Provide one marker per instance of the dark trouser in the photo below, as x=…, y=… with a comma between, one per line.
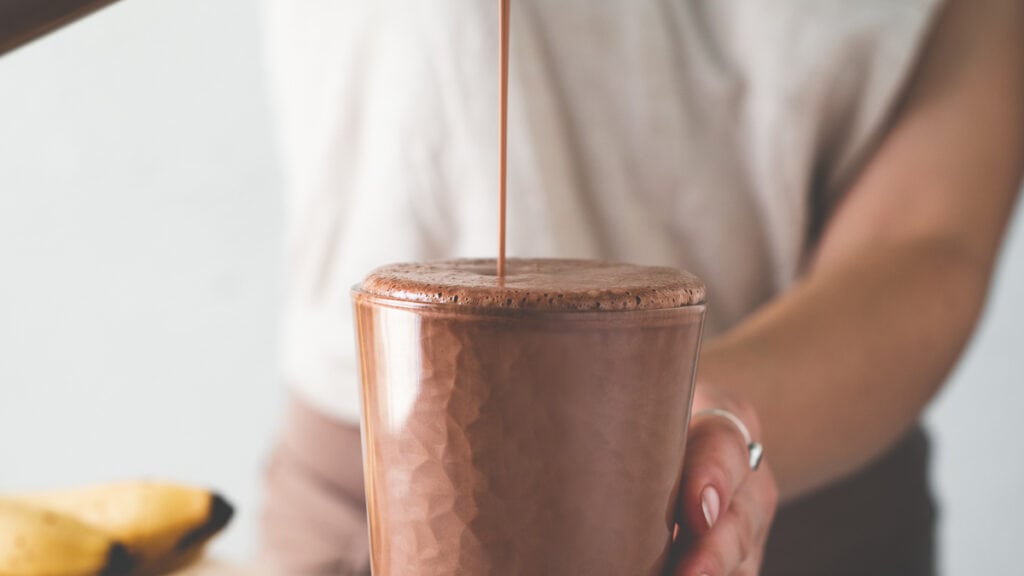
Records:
x=879, y=522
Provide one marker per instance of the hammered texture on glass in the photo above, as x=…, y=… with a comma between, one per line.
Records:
x=534, y=446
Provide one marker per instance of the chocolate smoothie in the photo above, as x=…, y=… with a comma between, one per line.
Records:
x=531, y=424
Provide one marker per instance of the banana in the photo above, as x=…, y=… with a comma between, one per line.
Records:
x=38, y=542
x=163, y=525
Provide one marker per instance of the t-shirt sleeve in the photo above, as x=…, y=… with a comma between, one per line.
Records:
x=875, y=66
x=820, y=82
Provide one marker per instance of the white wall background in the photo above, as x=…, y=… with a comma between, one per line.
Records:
x=140, y=253
x=140, y=262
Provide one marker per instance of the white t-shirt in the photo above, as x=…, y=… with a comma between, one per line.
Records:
x=709, y=135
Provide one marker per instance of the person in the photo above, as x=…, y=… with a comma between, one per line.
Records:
x=839, y=173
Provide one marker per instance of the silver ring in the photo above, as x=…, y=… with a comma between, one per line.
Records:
x=755, y=449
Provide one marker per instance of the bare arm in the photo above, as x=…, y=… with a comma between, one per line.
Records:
x=839, y=367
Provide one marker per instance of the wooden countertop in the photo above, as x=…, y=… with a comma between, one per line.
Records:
x=213, y=567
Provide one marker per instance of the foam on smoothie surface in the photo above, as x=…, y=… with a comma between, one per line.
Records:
x=544, y=284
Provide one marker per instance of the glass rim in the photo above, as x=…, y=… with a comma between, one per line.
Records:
x=358, y=294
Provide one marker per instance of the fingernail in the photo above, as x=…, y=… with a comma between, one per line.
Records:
x=709, y=503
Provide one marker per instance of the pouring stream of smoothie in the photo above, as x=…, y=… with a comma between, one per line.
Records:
x=505, y=15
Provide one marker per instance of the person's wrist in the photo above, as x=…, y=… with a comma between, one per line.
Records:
x=721, y=382
x=708, y=396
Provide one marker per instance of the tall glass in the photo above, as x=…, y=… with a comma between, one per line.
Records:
x=523, y=441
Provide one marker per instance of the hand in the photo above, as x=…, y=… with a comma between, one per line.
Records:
x=725, y=508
